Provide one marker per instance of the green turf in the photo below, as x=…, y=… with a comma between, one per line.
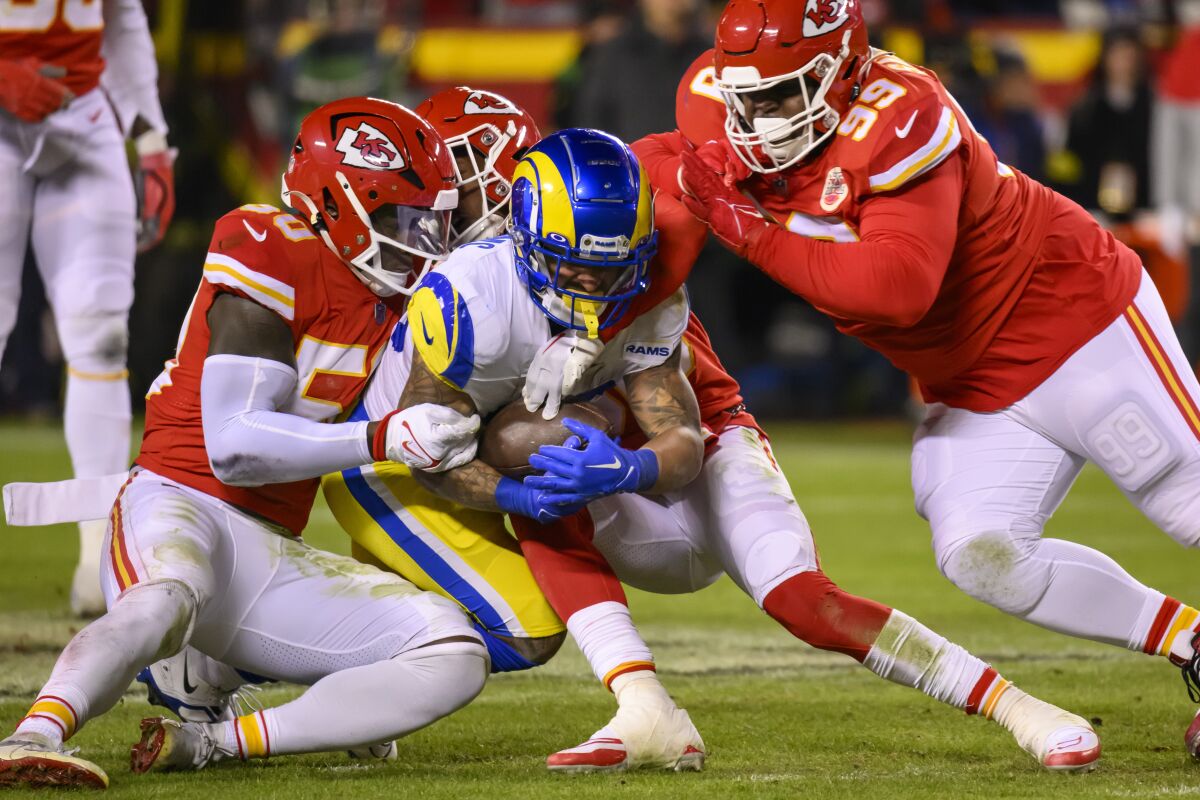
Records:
x=779, y=719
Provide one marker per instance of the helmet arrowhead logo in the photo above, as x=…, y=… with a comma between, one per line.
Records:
x=366, y=147
x=487, y=103
x=823, y=16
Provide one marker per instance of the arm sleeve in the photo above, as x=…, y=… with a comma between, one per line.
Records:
x=131, y=73
x=892, y=275
x=251, y=443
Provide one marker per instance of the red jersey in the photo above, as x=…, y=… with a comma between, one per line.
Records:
x=66, y=33
x=339, y=329
x=718, y=394
x=907, y=231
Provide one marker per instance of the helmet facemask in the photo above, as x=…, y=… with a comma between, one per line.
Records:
x=399, y=243
x=541, y=261
x=486, y=178
x=771, y=144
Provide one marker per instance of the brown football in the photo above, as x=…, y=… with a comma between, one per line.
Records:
x=514, y=434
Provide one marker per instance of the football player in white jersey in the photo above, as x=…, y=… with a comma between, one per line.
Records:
x=577, y=256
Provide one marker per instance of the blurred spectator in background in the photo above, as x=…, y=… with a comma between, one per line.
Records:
x=1009, y=119
x=340, y=48
x=1109, y=131
x=627, y=84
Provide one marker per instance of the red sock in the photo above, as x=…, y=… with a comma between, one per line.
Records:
x=816, y=611
x=571, y=572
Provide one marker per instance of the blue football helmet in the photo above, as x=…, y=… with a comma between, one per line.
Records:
x=580, y=198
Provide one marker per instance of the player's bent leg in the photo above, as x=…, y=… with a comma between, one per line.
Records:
x=147, y=622
x=649, y=730
x=382, y=657
x=374, y=702
x=987, y=484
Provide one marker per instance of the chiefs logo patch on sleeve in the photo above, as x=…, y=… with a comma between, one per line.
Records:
x=365, y=146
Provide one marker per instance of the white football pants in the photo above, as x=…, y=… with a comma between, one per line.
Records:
x=987, y=483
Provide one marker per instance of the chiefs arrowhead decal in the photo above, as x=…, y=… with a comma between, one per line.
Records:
x=365, y=146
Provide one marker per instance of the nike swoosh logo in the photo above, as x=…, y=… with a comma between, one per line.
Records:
x=616, y=464
x=425, y=333
x=1068, y=743
x=259, y=236
x=903, y=132
x=187, y=685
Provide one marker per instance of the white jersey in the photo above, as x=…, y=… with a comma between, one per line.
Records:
x=477, y=328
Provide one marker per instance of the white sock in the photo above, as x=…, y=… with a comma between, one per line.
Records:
x=908, y=653
x=96, y=422
x=612, y=645
x=363, y=705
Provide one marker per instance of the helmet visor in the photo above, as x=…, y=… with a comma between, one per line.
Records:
x=416, y=231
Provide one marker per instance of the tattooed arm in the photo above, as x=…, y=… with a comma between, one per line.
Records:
x=474, y=483
x=665, y=408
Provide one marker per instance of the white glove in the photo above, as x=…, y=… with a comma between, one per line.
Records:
x=428, y=437
x=556, y=370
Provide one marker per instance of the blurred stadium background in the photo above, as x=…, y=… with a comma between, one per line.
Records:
x=1066, y=90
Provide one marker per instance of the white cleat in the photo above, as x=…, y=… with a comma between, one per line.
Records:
x=168, y=746
x=648, y=732
x=32, y=762
x=1073, y=748
x=1059, y=740
x=385, y=751
x=172, y=684
x=604, y=754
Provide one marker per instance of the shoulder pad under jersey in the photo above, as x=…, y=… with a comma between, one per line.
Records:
x=254, y=254
x=902, y=125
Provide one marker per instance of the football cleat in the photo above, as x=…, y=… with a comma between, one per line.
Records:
x=1072, y=748
x=606, y=754
x=169, y=685
x=1059, y=740
x=30, y=761
x=648, y=731
x=168, y=746
x=1190, y=667
x=385, y=751
x=1191, y=739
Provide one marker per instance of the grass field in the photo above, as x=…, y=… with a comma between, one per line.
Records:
x=779, y=719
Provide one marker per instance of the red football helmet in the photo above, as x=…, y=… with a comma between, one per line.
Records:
x=820, y=44
x=377, y=183
x=489, y=132
x=699, y=106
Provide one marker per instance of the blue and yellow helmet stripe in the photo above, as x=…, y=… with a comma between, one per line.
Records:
x=580, y=197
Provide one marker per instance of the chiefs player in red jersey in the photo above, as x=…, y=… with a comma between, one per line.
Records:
x=738, y=517
x=68, y=191
x=855, y=180
x=203, y=540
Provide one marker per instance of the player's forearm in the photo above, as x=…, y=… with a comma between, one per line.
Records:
x=250, y=443
x=659, y=155
x=680, y=454
x=472, y=485
x=881, y=282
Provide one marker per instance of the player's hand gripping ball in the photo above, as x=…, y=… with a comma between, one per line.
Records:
x=515, y=433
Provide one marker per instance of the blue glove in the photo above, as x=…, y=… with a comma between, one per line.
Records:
x=600, y=469
x=540, y=505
